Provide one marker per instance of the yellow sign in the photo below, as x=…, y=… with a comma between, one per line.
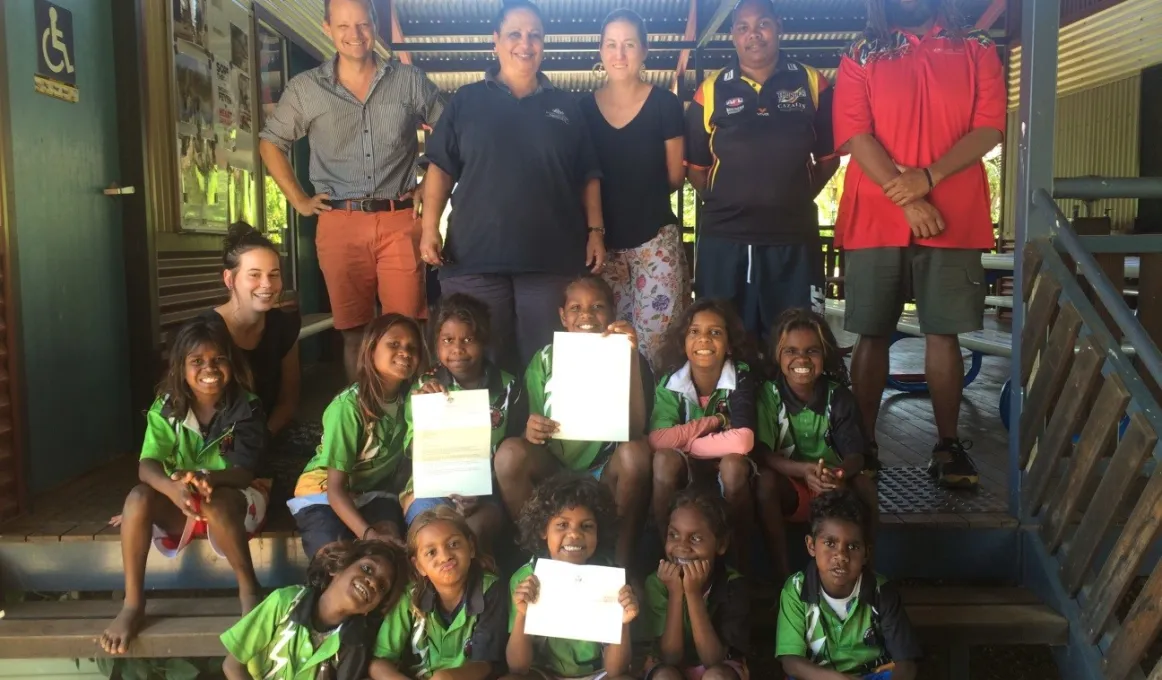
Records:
x=52, y=88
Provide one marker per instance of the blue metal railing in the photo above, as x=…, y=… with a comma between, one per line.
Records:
x=1109, y=295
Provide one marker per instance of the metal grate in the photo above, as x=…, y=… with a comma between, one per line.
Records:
x=911, y=491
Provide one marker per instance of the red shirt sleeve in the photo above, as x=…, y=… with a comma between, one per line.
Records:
x=852, y=109
x=990, y=105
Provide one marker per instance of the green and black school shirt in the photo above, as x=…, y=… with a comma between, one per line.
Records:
x=506, y=396
x=235, y=437
x=574, y=455
x=419, y=639
x=727, y=600
x=277, y=640
x=562, y=657
x=826, y=427
x=676, y=401
x=373, y=454
x=873, y=631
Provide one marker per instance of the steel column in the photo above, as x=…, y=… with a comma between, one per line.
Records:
x=1040, y=21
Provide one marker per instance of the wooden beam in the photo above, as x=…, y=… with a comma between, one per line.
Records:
x=684, y=55
x=725, y=7
x=397, y=32
x=990, y=16
x=1045, y=386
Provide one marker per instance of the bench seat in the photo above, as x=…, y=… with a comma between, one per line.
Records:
x=313, y=324
x=175, y=627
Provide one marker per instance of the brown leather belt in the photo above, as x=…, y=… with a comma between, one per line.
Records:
x=371, y=204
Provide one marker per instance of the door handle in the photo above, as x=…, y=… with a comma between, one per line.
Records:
x=115, y=190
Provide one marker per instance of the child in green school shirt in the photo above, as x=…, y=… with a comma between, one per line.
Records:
x=569, y=517
x=350, y=489
x=321, y=629
x=699, y=609
x=204, y=437
x=837, y=617
x=521, y=463
x=461, y=329
x=810, y=437
x=451, y=625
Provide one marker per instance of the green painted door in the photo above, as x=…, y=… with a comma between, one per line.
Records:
x=67, y=248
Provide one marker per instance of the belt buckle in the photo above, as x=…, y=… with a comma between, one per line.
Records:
x=363, y=204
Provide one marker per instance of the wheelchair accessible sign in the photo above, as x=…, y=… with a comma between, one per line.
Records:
x=56, y=72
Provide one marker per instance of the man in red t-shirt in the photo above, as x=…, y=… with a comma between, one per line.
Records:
x=918, y=102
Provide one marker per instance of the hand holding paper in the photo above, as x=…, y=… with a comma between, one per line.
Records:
x=578, y=602
x=591, y=386
x=452, y=446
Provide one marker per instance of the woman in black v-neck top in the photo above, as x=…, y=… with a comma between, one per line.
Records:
x=637, y=131
x=266, y=335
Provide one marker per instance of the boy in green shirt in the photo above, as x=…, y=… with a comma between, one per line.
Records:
x=838, y=618
x=321, y=629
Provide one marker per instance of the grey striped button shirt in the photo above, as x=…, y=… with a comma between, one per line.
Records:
x=358, y=149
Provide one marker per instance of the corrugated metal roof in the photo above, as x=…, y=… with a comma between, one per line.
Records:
x=576, y=81
x=305, y=17
x=1102, y=48
x=555, y=11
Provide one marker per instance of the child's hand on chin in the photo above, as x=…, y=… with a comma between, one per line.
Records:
x=628, y=602
x=526, y=593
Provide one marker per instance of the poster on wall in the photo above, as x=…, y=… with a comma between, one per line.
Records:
x=271, y=69
x=215, y=130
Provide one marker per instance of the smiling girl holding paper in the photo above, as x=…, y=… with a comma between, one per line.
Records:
x=568, y=518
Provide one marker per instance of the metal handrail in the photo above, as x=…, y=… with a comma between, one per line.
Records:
x=1110, y=296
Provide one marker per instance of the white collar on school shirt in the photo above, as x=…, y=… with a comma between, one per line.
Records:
x=683, y=384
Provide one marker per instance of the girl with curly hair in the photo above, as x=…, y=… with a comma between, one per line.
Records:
x=704, y=416
x=320, y=629
x=571, y=518
x=453, y=618
x=810, y=437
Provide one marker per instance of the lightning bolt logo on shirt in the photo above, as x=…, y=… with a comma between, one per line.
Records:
x=278, y=657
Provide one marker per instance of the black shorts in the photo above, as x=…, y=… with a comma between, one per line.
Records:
x=761, y=281
x=319, y=525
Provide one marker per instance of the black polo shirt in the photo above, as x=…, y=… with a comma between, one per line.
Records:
x=757, y=140
x=520, y=166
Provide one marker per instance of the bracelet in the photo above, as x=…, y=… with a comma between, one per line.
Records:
x=596, y=230
x=928, y=174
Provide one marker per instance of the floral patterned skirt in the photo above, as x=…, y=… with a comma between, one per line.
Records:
x=651, y=286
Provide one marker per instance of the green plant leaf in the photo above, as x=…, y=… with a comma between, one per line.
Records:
x=181, y=669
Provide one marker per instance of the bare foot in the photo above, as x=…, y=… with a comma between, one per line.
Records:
x=116, y=638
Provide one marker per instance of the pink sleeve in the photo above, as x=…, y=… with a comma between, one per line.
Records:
x=719, y=444
x=681, y=436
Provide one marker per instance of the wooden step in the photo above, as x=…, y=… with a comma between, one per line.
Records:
x=185, y=636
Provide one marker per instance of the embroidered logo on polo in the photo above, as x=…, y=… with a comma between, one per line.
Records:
x=792, y=100
x=734, y=105
x=558, y=114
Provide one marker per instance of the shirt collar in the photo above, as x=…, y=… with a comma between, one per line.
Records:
x=682, y=382
x=493, y=381
x=795, y=405
x=782, y=66
x=232, y=413
x=812, y=589
x=492, y=77
x=473, y=602
x=330, y=69
x=351, y=632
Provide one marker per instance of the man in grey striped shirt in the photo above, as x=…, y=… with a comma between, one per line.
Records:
x=361, y=115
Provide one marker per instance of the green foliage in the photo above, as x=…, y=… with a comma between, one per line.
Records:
x=275, y=213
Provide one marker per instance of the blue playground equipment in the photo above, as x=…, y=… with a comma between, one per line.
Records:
x=916, y=384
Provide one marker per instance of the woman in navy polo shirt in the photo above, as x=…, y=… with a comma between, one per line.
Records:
x=526, y=214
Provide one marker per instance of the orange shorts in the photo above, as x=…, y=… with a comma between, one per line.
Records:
x=364, y=253
x=803, y=507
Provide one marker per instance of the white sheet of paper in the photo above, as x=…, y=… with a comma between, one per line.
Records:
x=451, y=444
x=590, y=386
x=577, y=602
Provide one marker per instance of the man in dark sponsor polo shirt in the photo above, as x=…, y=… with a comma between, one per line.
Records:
x=758, y=133
x=918, y=102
